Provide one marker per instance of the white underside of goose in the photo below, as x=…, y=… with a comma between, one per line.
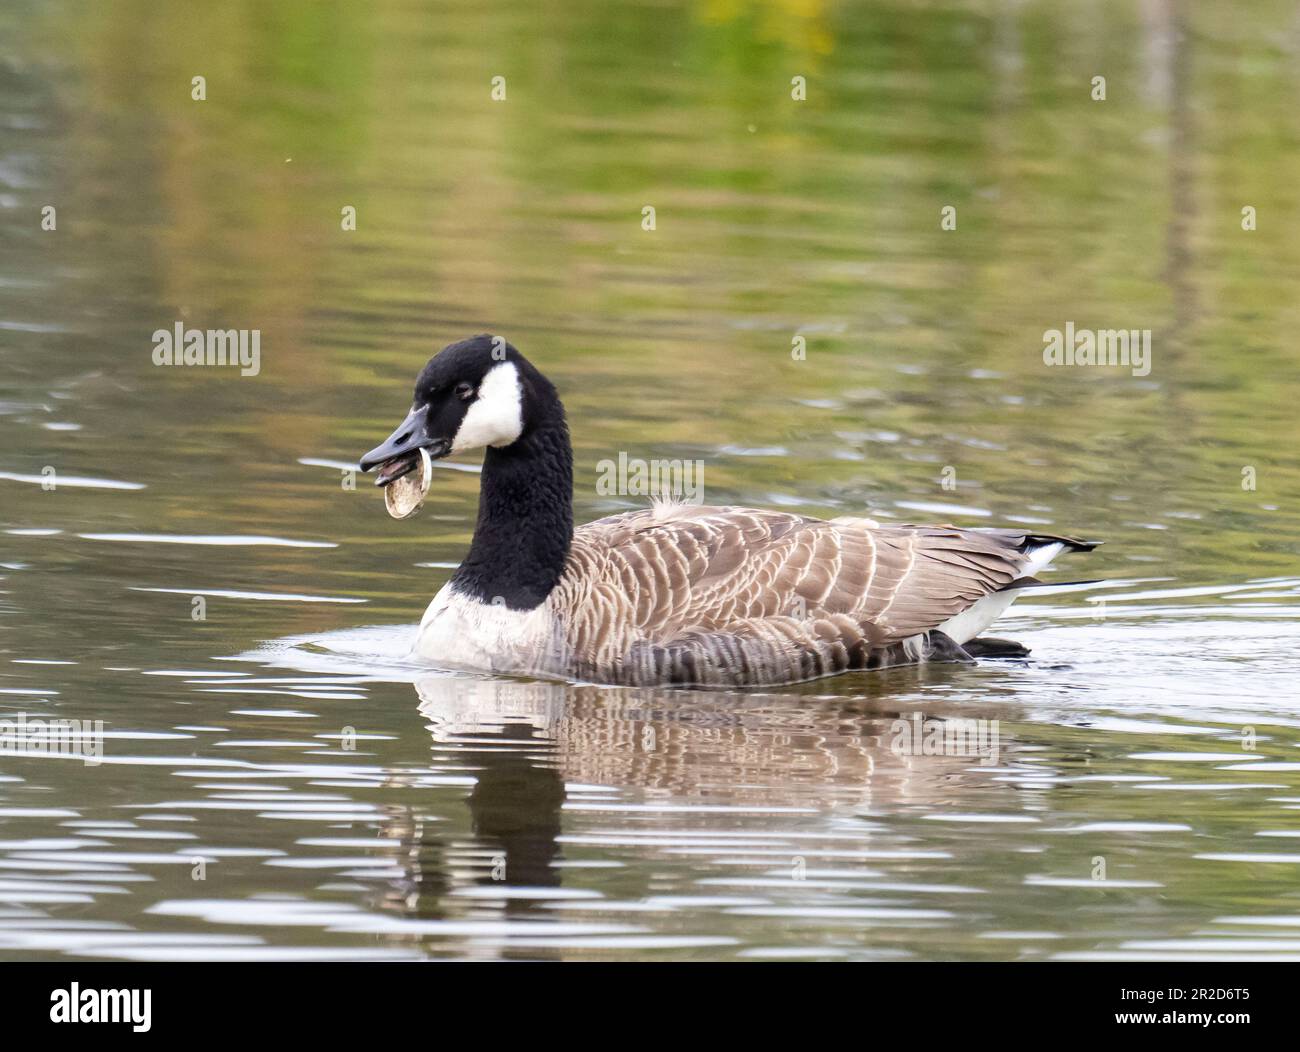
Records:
x=461, y=632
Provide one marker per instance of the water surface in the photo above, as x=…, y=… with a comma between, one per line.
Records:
x=278, y=781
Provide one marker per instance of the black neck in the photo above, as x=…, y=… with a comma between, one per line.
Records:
x=525, y=518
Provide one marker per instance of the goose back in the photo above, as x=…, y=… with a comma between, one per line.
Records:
x=735, y=596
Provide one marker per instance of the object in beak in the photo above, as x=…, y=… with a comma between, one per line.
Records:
x=405, y=492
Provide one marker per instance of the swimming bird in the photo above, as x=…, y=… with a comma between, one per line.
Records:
x=675, y=593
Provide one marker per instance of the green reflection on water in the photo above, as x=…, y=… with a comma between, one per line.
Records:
x=775, y=218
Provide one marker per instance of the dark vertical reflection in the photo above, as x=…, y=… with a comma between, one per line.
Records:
x=515, y=809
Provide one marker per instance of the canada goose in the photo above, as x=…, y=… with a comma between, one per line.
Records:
x=676, y=594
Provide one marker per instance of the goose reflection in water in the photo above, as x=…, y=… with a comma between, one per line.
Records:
x=671, y=763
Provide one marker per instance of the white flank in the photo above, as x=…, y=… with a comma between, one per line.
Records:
x=977, y=617
x=1041, y=558
x=495, y=418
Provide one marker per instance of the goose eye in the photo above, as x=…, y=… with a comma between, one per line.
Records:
x=464, y=391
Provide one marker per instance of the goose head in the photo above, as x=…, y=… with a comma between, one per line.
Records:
x=471, y=394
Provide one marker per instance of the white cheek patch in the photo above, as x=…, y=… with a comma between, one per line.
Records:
x=496, y=416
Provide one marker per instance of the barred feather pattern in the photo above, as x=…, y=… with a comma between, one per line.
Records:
x=678, y=594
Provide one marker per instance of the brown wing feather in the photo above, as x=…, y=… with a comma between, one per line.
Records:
x=748, y=583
